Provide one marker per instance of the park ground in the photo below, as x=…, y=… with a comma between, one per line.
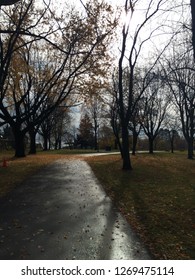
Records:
x=157, y=197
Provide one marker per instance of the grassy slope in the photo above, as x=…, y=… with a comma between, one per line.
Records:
x=157, y=198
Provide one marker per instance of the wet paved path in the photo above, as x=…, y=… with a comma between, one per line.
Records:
x=61, y=213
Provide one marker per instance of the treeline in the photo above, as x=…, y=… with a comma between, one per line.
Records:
x=46, y=52
x=132, y=80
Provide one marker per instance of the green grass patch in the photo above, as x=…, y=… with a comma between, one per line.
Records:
x=157, y=197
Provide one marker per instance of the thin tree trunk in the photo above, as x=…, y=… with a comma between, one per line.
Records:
x=172, y=146
x=95, y=141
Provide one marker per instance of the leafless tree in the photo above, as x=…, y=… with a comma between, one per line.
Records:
x=155, y=105
x=130, y=52
x=180, y=75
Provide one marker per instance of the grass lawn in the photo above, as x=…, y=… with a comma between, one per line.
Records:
x=157, y=198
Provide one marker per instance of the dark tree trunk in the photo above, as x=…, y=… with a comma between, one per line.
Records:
x=56, y=144
x=192, y=2
x=45, y=142
x=190, y=148
x=151, y=145
x=172, y=145
x=95, y=141
x=19, y=143
x=125, y=149
x=60, y=143
x=32, y=134
x=49, y=141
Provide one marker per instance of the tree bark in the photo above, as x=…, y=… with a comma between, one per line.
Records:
x=172, y=146
x=60, y=143
x=151, y=145
x=192, y=3
x=125, y=149
x=95, y=140
x=172, y=138
x=45, y=143
x=19, y=143
x=190, y=148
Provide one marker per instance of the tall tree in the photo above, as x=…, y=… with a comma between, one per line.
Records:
x=130, y=52
x=181, y=79
x=74, y=42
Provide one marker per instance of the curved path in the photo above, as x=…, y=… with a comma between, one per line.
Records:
x=62, y=212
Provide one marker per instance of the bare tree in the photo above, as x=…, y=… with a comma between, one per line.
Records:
x=181, y=79
x=130, y=52
x=155, y=104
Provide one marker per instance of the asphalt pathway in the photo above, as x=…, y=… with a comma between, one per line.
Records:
x=62, y=213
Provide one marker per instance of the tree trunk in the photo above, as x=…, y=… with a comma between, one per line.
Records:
x=19, y=143
x=32, y=134
x=56, y=144
x=125, y=149
x=151, y=145
x=172, y=145
x=95, y=141
x=190, y=148
x=60, y=143
x=192, y=3
x=45, y=143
